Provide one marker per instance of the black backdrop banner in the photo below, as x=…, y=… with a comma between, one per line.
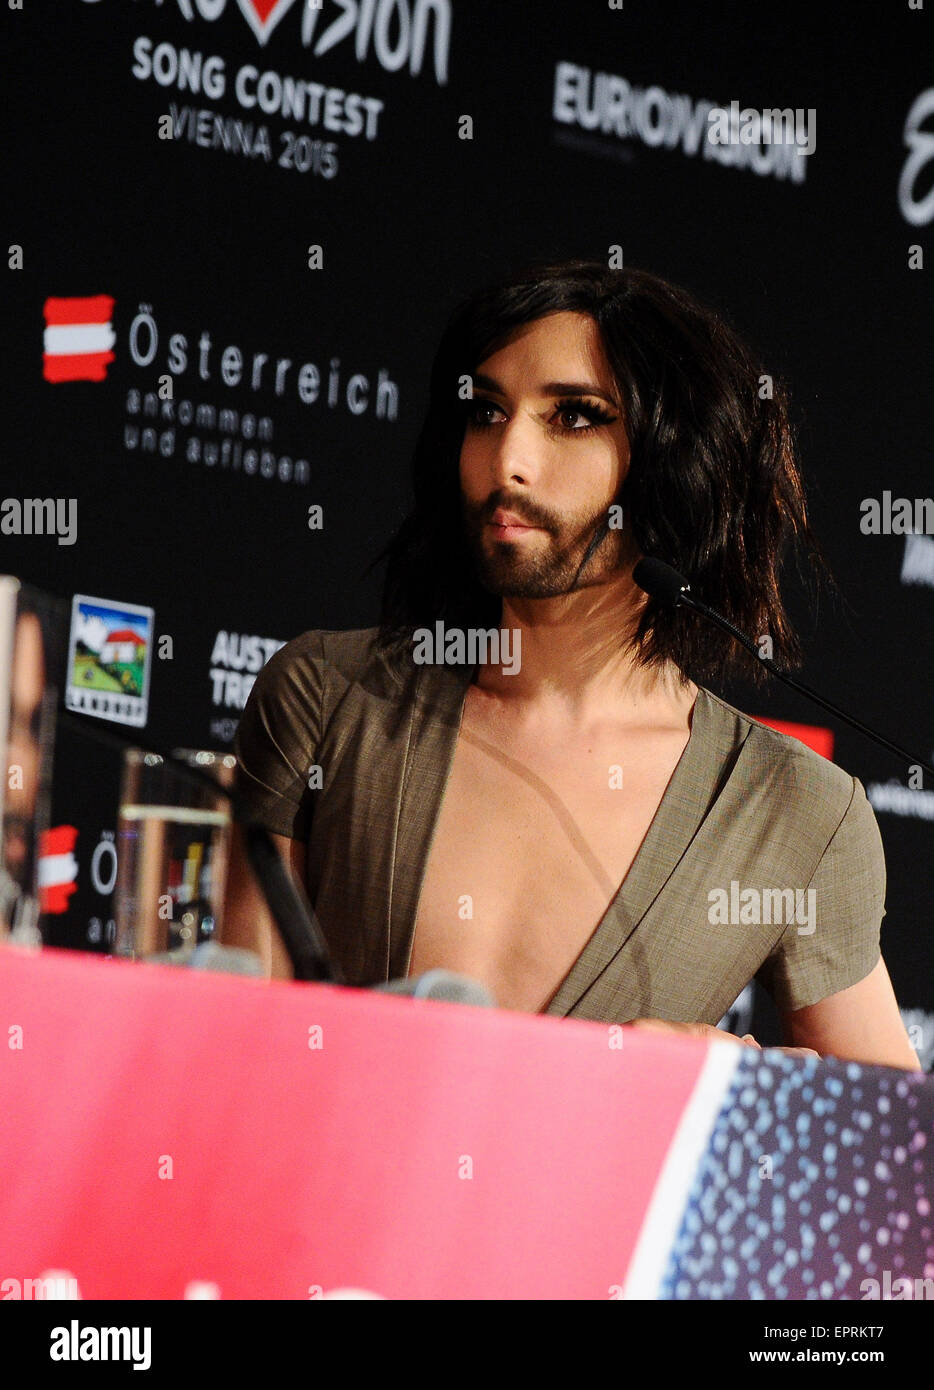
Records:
x=235, y=229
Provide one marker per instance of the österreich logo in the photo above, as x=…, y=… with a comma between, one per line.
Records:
x=78, y=338
x=263, y=15
x=58, y=868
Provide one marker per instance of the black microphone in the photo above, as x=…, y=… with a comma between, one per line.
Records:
x=662, y=582
x=292, y=912
x=289, y=907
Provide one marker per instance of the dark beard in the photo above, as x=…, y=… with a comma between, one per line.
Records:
x=507, y=570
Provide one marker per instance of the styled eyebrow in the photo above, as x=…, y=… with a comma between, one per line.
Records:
x=550, y=388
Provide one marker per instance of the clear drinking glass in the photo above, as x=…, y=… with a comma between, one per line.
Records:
x=173, y=835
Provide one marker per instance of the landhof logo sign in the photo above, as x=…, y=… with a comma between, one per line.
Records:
x=109, y=659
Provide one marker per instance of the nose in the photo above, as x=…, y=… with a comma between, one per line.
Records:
x=514, y=453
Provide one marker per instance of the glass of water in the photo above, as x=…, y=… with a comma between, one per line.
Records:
x=173, y=835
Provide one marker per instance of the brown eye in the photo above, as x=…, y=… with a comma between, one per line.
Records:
x=584, y=410
x=474, y=409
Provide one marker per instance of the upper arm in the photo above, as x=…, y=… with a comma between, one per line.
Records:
x=278, y=737
x=276, y=746
x=829, y=982
x=835, y=948
x=860, y=1024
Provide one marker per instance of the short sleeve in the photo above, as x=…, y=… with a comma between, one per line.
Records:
x=278, y=736
x=837, y=944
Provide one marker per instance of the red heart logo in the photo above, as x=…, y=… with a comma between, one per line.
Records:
x=263, y=15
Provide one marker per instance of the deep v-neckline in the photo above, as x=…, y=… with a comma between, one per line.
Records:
x=436, y=720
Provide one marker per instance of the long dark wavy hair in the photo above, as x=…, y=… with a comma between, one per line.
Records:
x=713, y=486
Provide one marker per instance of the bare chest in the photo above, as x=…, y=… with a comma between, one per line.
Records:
x=534, y=838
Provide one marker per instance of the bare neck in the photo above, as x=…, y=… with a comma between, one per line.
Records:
x=577, y=661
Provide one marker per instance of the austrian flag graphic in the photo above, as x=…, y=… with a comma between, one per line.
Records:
x=78, y=338
x=58, y=868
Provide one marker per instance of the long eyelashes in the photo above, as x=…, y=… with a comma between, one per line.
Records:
x=596, y=414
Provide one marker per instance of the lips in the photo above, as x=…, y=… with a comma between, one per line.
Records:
x=511, y=521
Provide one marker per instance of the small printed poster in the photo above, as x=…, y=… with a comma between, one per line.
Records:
x=109, y=658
